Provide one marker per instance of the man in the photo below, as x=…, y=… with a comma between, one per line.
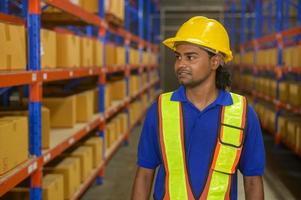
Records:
x=200, y=134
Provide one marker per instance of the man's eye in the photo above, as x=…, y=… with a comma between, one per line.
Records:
x=190, y=57
x=178, y=57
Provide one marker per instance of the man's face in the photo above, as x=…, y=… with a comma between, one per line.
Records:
x=193, y=65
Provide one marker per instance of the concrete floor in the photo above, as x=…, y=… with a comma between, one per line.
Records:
x=120, y=172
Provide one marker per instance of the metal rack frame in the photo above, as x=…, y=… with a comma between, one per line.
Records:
x=255, y=14
x=34, y=77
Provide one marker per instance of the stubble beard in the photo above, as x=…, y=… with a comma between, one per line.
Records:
x=194, y=83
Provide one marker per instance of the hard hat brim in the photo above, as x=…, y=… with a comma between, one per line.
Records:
x=170, y=43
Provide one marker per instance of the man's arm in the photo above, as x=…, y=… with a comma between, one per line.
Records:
x=142, y=184
x=253, y=188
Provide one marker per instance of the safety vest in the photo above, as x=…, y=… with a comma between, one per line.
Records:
x=226, y=154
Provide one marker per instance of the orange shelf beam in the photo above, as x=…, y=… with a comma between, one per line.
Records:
x=111, y=69
x=11, y=19
x=17, y=175
x=8, y=79
x=63, y=74
x=114, y=109
x=273, y=37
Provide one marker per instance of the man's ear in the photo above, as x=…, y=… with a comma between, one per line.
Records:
x=215, y=62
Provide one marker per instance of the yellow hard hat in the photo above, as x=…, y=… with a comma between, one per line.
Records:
x=205, y=32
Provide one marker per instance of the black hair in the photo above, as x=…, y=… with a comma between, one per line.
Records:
x=222, y=77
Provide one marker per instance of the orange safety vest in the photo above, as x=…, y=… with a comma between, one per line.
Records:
x=226, y=154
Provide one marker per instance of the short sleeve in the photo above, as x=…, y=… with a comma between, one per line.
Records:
x=148, y=148
x=252, y=161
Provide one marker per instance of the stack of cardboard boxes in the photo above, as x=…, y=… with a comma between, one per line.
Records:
x=289, y=128
x=52, y=189
x=66, y=111
x=291, y=56
x=115, y=129
x=135, y=84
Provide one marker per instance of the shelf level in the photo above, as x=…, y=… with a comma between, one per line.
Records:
x=76, y=11
x=62, y=139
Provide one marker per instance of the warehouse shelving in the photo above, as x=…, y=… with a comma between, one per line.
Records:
x=35, y=77
x=282, y=29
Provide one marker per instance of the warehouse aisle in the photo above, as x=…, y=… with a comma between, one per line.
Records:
x=121, y=171
x=119, y=174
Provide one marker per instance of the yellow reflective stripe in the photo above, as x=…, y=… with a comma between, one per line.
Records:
x=231, y=135
x=233, y=113
x=228, y=149
x=173, y=149
x=218, y=186
x=233, y=116
x=225, y=159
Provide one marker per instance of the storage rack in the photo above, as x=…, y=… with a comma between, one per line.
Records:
x=34, y=77
x=280, y=32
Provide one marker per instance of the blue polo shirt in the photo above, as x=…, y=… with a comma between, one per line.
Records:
x=201, y=130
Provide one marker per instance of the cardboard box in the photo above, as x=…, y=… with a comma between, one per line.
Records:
x=68, y=50
x=134, y=57
x=117, y=124
x=90, y=6
x=284, y=91
x=70, y=169
x=296, y=56
x=12, y=36
x=110, y=55
x=110, y=135
x=17, y=194
x=295, y=94
x=120, y=55
x=48, y=49
x=282, y=127
x=53, y=187
x=123, y=122
x=85, y=154
x=118, y=90
x=291, y=132
x=13, y=142
x=84, y=106
x=115, y=8
x=97, y=147
x=272, y=88
x=135, y=83
x=97, y=53
x=86, y=52
x=62, y=111
x=45, y=122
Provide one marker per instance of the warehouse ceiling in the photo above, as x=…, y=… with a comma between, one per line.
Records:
x=173, y=14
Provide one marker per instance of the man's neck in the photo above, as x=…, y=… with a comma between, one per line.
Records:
x=203, y=95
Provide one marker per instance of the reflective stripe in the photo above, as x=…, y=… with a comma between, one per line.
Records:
x=228, y=149
x=172, y=142
x=226, y=154
x=219, y=186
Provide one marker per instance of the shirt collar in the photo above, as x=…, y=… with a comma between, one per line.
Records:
x=224, y=97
